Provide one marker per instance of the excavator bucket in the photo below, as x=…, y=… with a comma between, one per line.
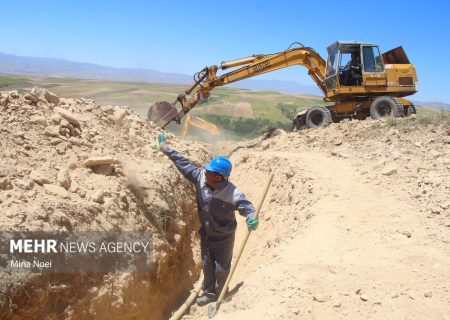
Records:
x=161, y=113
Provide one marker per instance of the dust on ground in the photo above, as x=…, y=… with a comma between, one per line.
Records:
x=356, y=225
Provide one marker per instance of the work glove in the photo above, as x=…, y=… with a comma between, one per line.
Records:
x=160, y=139
x=252, y=224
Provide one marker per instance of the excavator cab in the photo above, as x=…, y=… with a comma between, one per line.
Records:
x=353, y=64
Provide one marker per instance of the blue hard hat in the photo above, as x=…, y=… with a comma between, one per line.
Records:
x=220, y=165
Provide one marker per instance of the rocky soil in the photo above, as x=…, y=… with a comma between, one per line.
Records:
x=71, y=164
x=356, y=225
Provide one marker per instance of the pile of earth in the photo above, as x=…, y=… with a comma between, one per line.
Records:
x=355, y=224
x=73, y=165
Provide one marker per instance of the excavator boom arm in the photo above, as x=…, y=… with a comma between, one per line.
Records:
x=207, y=79
x=260, y=64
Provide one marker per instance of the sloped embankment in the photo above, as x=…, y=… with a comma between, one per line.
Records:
x=355, y=225
x=73, y=165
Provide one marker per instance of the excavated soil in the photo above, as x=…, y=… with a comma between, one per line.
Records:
x=73, y=165
x=356, y=224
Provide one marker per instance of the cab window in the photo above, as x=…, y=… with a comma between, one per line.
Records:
x=331, y=62
x=372, y=59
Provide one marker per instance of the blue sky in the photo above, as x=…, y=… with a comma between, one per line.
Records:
x=185, y=36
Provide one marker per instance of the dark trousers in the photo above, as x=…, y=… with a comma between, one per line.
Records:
x=216, y=262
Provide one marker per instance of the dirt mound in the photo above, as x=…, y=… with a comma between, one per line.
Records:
x=71, y=164
x=406, y=149
x=355, y=225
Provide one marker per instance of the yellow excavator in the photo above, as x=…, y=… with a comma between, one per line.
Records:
x=199, y=123
x=356, y=77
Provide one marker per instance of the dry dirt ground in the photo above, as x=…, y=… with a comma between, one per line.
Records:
x=356, y=225
x=73, y=165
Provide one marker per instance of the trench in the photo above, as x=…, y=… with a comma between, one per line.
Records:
x=181, y=299
x=252, y=164
x=157, y=199
x=50, y=180
x=142, y=295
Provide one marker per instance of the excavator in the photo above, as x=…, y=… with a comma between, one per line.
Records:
x=356, y=79
x=199, y=123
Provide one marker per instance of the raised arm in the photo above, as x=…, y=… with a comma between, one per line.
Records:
x=189, y=170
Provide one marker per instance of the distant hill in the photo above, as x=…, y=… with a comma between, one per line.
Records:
x=434, y=104
x=49, y=67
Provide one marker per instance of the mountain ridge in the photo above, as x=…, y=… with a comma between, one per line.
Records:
x=15, y=65
x=53, y=67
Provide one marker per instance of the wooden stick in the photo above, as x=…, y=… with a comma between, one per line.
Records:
x=212, y=309
x=185, y=306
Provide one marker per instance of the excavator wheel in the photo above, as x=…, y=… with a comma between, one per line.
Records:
x=386, y=106
x=318, y=117
x=161, y=113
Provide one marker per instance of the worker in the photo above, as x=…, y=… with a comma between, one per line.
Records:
x=217, y=200
x=353, y=70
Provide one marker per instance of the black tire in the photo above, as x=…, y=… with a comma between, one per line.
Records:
x=410, y=110
x=386, y=106
x=318, y=117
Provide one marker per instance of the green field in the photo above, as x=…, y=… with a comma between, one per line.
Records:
x=140, y=95
x=222, y=107
x=238, y=112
